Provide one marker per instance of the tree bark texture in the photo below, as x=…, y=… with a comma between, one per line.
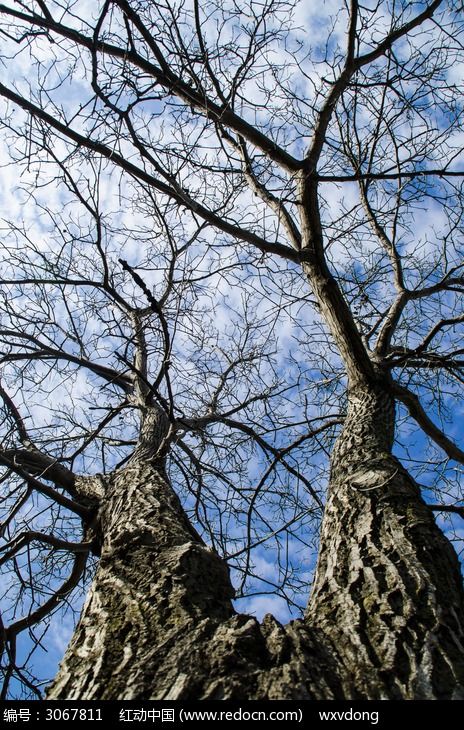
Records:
x=385, y=618
x=388, y=588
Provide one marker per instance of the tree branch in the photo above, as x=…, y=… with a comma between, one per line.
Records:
x=39, y=464
x=46, y=353
x=165, y=77
x=182, y=198
x=83, y=512
x=404, y=174
x=412, y=403
x=447, y=508
x=34, y=617
x=395, y=35
x=12, y=547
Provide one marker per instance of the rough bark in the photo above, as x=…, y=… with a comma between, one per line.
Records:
x=158, y=621
x=388, y=588
x=384, y=619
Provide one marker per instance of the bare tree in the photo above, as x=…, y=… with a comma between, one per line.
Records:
x=316, y=169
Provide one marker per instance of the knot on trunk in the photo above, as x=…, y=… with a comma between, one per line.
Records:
x=375, y=474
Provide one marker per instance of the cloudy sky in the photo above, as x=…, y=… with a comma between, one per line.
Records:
x=219, y=285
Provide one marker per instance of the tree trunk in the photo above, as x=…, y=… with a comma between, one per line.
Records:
x=158, y=622
x=155, y=582
x=388, y=588
x=384, y=619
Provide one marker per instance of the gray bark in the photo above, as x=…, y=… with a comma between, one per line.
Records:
x=384, y=620
x=158, y=621
x=388, y=588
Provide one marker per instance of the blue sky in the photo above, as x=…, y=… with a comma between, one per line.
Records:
x=52, y=229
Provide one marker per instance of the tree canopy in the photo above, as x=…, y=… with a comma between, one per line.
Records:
x=236, y=213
